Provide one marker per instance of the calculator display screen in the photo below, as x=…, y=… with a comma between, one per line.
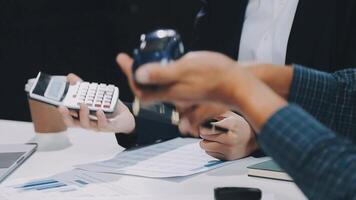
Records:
x=42, y=84
x=50, y=87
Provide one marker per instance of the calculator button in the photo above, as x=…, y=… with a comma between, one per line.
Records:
x=98, y=105
x=106, y=106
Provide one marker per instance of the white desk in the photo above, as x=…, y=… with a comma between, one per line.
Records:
x=89, y=146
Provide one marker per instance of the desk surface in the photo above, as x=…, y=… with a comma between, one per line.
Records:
x=87, y=146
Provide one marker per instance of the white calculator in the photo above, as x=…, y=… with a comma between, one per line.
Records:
x=56, y=91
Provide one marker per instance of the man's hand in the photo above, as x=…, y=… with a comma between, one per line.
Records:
x=206, y=77
x=193, y=116
x=191, y=75
x=238, y=142
x=123, y=121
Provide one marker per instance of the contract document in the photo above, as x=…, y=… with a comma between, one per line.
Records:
x=174, y=158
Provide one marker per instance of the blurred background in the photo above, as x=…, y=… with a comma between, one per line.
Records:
x=79, y=36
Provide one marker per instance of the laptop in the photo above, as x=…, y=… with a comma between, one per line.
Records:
x=12, y=156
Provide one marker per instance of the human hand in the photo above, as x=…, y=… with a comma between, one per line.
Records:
x=240, y=141
x=205, y=77
x=122, y=122
x=193, y=116
x=198, y=76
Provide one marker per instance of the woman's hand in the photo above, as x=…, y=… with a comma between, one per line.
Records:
x=240, y=141
x=122, y=122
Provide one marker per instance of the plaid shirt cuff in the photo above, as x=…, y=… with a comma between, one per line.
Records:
x=311, y=89
x=289, y=134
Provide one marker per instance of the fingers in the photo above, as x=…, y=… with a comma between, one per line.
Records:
x=84, y=116
x=216, y=155
x=125, y=62
x=210, y=146
x=67, y=118
x=73, y=79
x=184, y=126
x=85, y=121
x=206, y=132
x=157, y=74
x=192, y=116
x=203, y=113
x=228, y=139
x=102, y=120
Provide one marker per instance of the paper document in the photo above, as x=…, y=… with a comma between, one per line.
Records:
x=173, y=158
x=72, y=184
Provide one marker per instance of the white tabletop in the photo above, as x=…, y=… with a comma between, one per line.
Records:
x=87, y=146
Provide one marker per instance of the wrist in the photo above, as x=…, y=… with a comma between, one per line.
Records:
x=255, y=100
x=277, y=77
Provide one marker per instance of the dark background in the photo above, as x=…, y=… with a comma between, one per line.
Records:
x=80, y=36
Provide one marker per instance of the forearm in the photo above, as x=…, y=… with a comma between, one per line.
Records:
x=314, y=90
x=255, y=100
x=320, y=163
x=279, y=78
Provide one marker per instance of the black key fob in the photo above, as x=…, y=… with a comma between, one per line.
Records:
x=163, y=46
x=237, y=193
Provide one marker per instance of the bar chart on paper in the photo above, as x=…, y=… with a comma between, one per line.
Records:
x=75, y=183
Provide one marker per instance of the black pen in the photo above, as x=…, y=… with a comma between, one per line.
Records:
x=209, y=125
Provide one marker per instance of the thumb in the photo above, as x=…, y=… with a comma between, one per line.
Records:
x=157, y=74
x=73, y=78
x=125, y=62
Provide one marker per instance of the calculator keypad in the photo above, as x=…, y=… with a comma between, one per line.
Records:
x=94, y=95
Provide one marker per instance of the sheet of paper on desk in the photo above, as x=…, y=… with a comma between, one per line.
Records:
x=76, y=184
x=173, y=158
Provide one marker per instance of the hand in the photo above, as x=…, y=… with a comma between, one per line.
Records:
x=122, y=122
x=193, y=116
x=238, y=142
x=206, y=77
x=197, y=77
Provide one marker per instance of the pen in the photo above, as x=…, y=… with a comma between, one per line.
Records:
x=209, y=125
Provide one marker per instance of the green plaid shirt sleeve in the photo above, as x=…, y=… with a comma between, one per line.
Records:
x=330, y=98
x=321, y=162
